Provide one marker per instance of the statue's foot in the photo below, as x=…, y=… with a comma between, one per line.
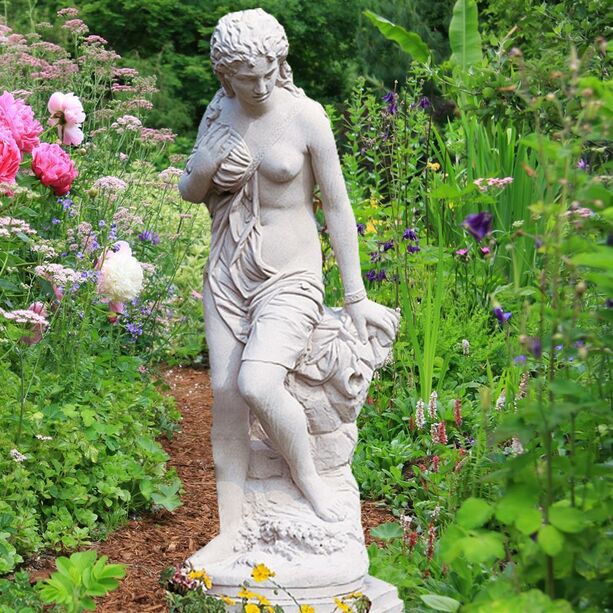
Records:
x=323, y=499
x=215, y=551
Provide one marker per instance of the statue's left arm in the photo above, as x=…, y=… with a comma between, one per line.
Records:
x=341, y=224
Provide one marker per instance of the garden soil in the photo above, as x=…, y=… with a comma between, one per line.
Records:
x=149, y=544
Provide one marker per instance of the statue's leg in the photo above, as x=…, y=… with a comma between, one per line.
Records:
x=262, y=385
x=229, y=436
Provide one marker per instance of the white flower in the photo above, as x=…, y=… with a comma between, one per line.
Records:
x=433, y=404
x=43, y=437
x=465, y=347
x=420, y=418
x=18, y=457
x=502, y=400
x=516, y=447
x=121, y=275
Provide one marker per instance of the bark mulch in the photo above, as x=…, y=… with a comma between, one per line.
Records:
x=152, y=543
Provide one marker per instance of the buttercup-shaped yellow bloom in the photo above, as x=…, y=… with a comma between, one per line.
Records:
x=306, y=608
x=252, y=608
x=227, y=600
x=200, y=575
x=261, y=572
x=244, y=593
x=262, y=599
x=342, y=606
x=433, y=166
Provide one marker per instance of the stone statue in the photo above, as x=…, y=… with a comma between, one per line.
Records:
x=288, y=374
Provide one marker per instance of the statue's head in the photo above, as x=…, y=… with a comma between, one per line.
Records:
x=246, y=40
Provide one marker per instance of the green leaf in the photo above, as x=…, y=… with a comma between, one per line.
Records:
x=440, y=603
x=474, y=513
x=409, y=42
x=550, y=540
x=601, y=258
x=513, y=503
x=482, y=547
x=528, y=521
x=567, y=519
x=446, y=191
x=387, y=532
x=464, y=36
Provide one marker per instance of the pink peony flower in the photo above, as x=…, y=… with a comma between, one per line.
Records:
x=67, y=114
x=10, y=157
x=18, y=118
x=53, y=166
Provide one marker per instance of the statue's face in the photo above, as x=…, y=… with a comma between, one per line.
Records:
x=253, y=85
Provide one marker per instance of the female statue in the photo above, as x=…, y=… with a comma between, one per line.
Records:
x=261, y=149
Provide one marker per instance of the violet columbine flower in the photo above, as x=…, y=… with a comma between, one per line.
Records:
x=361, y=228
x=501, y=316
x=375, y=256
x=410, y=234
x=413, y=248
x=583, y=165
x=478, y=224
x=387, y=245
x=520, y=359
x=381, y=275
x=150, y=237
x=371, y=275
x=534, y=346
x=424, y=103
x=391, y=98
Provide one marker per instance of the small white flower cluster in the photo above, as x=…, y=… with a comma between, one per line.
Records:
x=57, y=274
x=420, y=417
x=465, y=347
x=45, y=249
x=485, y=184
x=502, y=400
x=433, y=405
x=17, y=456
x=24, y=316
x=12, y=225
x=127, y=123
x=110, y=184
x=168, y=175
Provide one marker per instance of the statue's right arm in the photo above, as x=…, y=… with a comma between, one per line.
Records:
x=196, y=181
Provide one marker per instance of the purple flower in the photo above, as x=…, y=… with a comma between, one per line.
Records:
x=371, y=275
x=424, y=103
x=534, y=346
x=388, y=245
x=101, y=223
x=375, y=256
x=485, y=251
x=150, y=237
x=381, y=275
x=501, y=316
x=478, y=224
x=410, y=234
x=462, y=253
x=520, y=359
x=391, y=98
x=361, y=228
x=583, y=165
x=413, y=248
x=55, y=221
x=538, y=242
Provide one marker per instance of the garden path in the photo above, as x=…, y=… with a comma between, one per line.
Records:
x=151, y=543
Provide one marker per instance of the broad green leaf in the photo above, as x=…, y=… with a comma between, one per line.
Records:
x=514, y=501
x=409, y=42
x=528, y=521
x=464, y=36
x=567, y=519
x=482, y=547
x=474, y=512
x=601, y=258
x=441, y=603
x=446, y=191
x=387, y=532
x=550, y=540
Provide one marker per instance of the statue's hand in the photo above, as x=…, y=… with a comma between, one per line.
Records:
x=367, y=312
x=210, y=150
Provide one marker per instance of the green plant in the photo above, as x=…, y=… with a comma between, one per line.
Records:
x=79, y=579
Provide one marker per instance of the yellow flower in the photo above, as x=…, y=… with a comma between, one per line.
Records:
x=433, y=166
x=227, y=600
x=306, y=608
x=252, y=608
x=355, y=595
x=371, y=226
x=373, y=201
x=244, y=593
x=269, y=609
x=261, y=573
x=342, y=606
x=200, y=575
x=262, y=599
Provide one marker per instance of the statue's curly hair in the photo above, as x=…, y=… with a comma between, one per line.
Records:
x=242, y=36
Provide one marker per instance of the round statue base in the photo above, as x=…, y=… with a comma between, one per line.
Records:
x=382, y=595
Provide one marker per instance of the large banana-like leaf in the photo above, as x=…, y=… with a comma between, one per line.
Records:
x=409, y=42
x=464, y=36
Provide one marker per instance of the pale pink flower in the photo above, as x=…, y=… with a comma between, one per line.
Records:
x=433, y=404
x=12, y=225
x=420, y=417
x=53, y=166
x=37, y=308
x=25, y=316
x=18, y=117
x=434, y=434
x=10, y=158
x=67, y=114
x=76, y=26
x=69, y=11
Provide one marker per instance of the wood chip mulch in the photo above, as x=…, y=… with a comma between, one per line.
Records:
x=156, y=541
